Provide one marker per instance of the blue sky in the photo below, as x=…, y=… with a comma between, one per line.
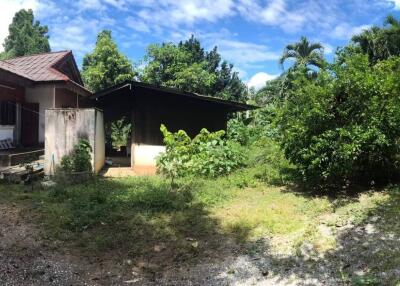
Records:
x=249, y=33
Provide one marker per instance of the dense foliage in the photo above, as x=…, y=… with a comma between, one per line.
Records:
x=188, y=67
x=379, y=43
x=208, y=154
x=106, y=65
x=344, y=125
x=26, y=36
x=120, y=132
x=79, y=160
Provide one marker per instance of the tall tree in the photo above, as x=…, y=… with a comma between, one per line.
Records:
x=187, y=66
x=106, y=65
x=173, y=66
x=380, y=43
x=304, y=54
x=26, y=36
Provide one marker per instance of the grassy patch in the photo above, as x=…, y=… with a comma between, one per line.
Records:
x=141, y=217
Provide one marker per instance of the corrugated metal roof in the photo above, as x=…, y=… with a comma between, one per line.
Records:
x=232, y=105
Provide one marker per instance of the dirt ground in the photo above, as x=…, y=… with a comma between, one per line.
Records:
x=27, y=258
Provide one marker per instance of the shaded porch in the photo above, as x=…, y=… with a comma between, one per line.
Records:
x=17, y=156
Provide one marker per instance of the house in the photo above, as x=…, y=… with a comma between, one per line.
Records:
x=148, y=106
x=31, y=84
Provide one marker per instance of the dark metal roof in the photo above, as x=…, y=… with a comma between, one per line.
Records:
x=233, y=105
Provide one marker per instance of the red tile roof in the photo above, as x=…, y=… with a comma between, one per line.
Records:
x=47, y=67
x=37, y=67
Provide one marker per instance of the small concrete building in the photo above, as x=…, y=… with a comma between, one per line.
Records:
x=65, y=127
x=148, y=106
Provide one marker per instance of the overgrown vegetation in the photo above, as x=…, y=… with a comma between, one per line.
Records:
x=79, y=160
x=120, y=132
x=343, y=126
x=338, y=127
x=208, y=154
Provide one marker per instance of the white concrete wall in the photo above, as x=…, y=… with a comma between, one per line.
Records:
x=99, y=142
x=44, y=95
x=145, y=155
x=64, y=128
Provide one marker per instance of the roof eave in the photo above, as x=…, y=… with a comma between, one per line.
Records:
x=233, y=106
x=12, y=77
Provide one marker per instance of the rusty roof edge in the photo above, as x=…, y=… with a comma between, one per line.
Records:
x=19, y=74
x=38, y=54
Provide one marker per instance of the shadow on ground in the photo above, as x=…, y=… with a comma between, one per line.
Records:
x=150, y=233
x=143, y=225
x=367, y=253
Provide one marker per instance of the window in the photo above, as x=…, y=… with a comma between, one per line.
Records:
x=7, y=113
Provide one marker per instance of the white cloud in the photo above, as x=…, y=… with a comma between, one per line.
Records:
x=137, y=25
x=345, y=31
x=277, y=13
x=396, y=3
x=78, y=35
x=328, y=49
x=90, y=5
x=258, y=80
x=244, y=52
x=174, y=14
x=100, y=5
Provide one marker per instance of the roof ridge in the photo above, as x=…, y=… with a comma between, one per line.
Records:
x=38, y=54
x=59, y=60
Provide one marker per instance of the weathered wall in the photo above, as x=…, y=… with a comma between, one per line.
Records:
x=48, y=96
x=64, y=128
x=44, y=95
x=99, y=142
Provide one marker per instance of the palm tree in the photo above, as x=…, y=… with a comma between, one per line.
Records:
x=304, y=53
x=392, y=21
x=380, y=43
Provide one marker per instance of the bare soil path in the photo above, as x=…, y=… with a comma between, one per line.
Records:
x=28, y=259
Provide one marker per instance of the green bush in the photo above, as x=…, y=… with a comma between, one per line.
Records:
x=270, y=162
x=79, y=160
x=208, y=154
x=343, y=126
x=238, y=131
x=120, y=132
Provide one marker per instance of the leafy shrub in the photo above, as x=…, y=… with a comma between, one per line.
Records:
x=238, y=131
x=79, y=160
x=344, y=126
x=272, y=166
x=208, y=154
x=120, y=132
